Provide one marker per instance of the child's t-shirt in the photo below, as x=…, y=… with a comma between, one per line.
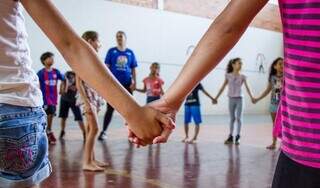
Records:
x=234, y=84
x=121, y=64
x=71, y=90
x=193, y=97
x=276, y=84
x=49, y=85
x=19, y=84
x=153, y=86
x=299, y=112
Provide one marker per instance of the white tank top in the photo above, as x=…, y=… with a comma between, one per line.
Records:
x=19, y=84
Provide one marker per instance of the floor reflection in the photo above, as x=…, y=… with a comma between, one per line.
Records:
x=172, y=165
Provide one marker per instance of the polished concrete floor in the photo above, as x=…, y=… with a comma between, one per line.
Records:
x=207, y=164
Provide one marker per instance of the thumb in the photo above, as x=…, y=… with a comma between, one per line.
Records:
x=163, y=137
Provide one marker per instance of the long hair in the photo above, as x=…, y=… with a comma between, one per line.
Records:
x=232, y=62
x=273, y=71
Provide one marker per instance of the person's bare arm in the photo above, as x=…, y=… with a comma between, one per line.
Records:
x=222, y=35
x=207, y=93
x=265, y=92
x=134, y=79
x=69, y=43
x=248, y=89
x=142, y=90
x=225, y=83
x=62, y=88
x=161, y=90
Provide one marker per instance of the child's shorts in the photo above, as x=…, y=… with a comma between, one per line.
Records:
x=64, y=110
x=192, y=112
x=50, y=109
x=273, y=108
x=152, y=98
x=23, y=146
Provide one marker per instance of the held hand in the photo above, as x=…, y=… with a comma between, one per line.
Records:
x=167, y=126
x=254, y=100
x=171, y=112
x=147, y=125
x=214, y=101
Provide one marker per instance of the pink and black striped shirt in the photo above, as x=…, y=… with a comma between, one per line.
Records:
x=299, y=112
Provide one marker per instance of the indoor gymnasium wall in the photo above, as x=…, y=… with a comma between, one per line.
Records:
x=165, y=37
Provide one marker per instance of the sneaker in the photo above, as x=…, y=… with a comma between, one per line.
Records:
x=102, y=136
x=62, y=133
x=237, y=142
x=229, y=140
x=51, y=138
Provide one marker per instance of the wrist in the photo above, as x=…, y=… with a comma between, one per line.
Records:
x=171, y=102
x=131, y=112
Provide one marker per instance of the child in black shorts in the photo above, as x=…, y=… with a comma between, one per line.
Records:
x=68, y=92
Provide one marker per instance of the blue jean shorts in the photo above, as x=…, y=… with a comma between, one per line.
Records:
x=23, y=146
x=194, y=112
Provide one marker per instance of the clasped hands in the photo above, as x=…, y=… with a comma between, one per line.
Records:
x=152, y=124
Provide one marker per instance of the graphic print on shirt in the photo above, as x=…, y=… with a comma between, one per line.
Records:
x=276, y=83
x=121, y=63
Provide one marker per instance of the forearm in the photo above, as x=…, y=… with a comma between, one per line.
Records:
x=79, y=55
x=249, y=92
x=220, y=91
x=265, y=93
x=207, y=94
x=140, y=90
x=222, y=35
x=248, y=89
x=62, y=88
x=134, y=76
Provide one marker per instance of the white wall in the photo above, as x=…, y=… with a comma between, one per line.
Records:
x=161, y=36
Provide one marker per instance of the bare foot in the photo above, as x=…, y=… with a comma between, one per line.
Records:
x=271, y=147
x=185, y=140
x=92, y=168
x=193, y=141
x=100, y=164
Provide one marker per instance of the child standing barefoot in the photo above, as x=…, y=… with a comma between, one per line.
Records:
x=275, y=87
x=235, y=80
x=192, y=110
x=92, y=103
x=153, y=84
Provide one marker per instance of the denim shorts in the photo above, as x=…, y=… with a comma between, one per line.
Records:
x=23, y=146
